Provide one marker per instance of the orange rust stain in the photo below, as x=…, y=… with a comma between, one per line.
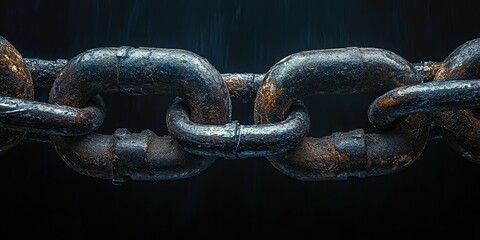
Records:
x=271, y=93
x=433, y=69
x=397, y=83
x=233, y=83
x=463, y=69
x=80, y=118
x=443, y=73
x=440, y=73
x=387, y=103
x=336, y=155
x=21, y=85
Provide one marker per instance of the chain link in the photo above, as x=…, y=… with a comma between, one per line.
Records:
x=15, y=81
x=461, y=128
x=199, y=120
x=354, y=153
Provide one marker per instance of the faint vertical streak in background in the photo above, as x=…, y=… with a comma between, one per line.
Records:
x=395, y=22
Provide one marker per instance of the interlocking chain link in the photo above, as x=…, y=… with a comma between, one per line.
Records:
x=15, y=81
x=354, y=153
x=199, y=120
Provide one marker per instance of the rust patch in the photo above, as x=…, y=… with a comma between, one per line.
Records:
x=463, y=70
x=387, y=103
x=270, y=93
x=79, y=119
x=432, y=71
x=440, y=73
x=336, y=155
x=396, y=82
x=21, y=85
x=15, y=81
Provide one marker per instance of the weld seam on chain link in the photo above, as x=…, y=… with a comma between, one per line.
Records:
x=201, y=125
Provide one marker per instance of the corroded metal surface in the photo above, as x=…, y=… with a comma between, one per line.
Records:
x=201, y=124
x=138, y=71
x=143, y=71
x=243, y=87
x=353, y=153
x=461, y=128
x=348, y=70
x=44, y=72
x=16, y=114
x=424, y=98
x=15, y=81
x=233, y=140
x=136, y=156
x=427, y=69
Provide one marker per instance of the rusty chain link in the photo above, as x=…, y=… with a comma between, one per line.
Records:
x=15, y=81
x=354, y=153
x=199, y=120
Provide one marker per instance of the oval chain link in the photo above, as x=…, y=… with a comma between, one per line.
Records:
x=353, y=153
x=200, y=120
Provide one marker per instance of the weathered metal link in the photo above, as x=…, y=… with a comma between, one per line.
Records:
x=243, y=86
x=37, y=117
x=130, y=156
x=200, y=119
x=15, y=81
x=138, y=71
x=427, y=69
x=44, y=72
x=233, y=140
x=461, y=128
x=423, y=98
x=353, y=153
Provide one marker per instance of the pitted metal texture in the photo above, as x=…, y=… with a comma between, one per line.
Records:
x=199, y=120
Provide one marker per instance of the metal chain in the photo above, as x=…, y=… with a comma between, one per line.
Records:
x=199, y=120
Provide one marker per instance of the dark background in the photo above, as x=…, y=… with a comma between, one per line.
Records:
x=245, y=197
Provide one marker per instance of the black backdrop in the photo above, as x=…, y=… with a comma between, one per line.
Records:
x=243, y=197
